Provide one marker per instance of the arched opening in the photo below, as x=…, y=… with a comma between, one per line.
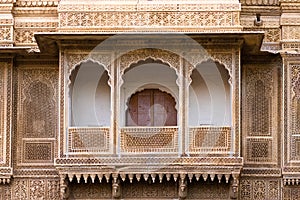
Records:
x=151, y=107
x=90, y=96
x=210, y=96
x=153, y=84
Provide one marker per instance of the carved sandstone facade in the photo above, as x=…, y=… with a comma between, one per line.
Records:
x=150, y=99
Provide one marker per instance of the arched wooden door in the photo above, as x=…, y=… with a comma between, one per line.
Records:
x=151, y=107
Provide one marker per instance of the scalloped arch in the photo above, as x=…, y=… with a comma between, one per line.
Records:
x=133, y=58
x=78, y=64
x=216, y=60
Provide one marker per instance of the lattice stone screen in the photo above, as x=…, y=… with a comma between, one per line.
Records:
x=85, y=140
x=210, y=139
x=149, y=139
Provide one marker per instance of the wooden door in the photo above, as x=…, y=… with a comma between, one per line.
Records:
x=151, y=107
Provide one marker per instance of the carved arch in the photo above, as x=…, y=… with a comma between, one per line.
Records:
x=226, y=65
x=163, y=56
x=77, y=66
x=76, y=59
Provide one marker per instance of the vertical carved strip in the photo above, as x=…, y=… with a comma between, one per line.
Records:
x=37, y=115
x=259, y=118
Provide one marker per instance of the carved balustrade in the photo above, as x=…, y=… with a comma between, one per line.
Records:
x=210, y=140
x=87, y=140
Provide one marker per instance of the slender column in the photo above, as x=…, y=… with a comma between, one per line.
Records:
x=183, y=107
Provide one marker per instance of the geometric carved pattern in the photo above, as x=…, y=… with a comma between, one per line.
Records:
x=260, y=113
x=37, y=114
x=259, y=150
x=88, y=139
x=35, y=152
x=210, y=139
x=259, y=189
x=37, y=105
x=260, y=2
x=148, y=139
x=260, y=110
x=259, y=94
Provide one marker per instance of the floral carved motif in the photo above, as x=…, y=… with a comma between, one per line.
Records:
x=259, y=189
x=123, y=20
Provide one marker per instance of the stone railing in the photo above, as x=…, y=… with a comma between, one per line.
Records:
x=149, y=139
x=260, y=2
x=88, y=140
x=210, y=140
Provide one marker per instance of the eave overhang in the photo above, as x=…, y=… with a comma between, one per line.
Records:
x=250, y=41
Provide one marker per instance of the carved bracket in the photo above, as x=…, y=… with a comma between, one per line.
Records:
x=234, y=186
x=64, y=190
x=182, y=190
x=116, y=189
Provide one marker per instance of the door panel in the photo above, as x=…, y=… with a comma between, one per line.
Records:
x=151, y=107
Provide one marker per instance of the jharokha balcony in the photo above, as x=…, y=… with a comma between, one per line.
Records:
x=149, y=153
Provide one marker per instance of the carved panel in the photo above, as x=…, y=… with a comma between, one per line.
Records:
x=24, y=36
x=210, y=140
x=38, y=152
x=295, y=81
x=6, y=24
x=149, y=139
x=259, y=150
x=5, y=119
x=208, y=190
x=144, y=190
x=5, y=192
x=36, y=189
x=290, y=33
x=259, y=189
x=37, y=115
x=294, y=111
x=88, y=139
x=90, y=191
x=291, y=192
x=122, y=21
x=260, y=114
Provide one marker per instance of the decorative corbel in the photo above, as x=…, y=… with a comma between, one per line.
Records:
x=64, y=190
x=182, y=190
x=116, y=190
x=234, y=187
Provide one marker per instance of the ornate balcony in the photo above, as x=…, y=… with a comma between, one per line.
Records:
x=149, y=139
